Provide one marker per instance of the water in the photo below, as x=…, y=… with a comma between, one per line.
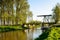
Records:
x=28, y=34
x=32, y=34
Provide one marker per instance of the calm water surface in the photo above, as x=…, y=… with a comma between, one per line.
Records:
x=28, y=34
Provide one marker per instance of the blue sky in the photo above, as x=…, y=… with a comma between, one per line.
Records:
x=42, y=7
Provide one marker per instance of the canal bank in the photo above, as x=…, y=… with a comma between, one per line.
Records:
x=52, y=33
x=27, y=34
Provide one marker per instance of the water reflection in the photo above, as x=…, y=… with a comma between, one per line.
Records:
x=32, y=34
x=13, y=35
x=28, y=34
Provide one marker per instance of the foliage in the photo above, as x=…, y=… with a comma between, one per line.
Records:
x=56, y=12
x=54, y=34
x=35, y=22
x=14, y=11
x=14, y=27
x=21, y=10
x=44, y=35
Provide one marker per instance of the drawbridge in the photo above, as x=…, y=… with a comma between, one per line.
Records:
x=46, y=21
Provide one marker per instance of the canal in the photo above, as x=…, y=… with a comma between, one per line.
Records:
x=28, y=34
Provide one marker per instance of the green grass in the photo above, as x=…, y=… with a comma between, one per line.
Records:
x=10, y=28
x=15, y=27
x=52, y=34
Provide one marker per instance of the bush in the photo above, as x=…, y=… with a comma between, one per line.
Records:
x=54, y=34
x=51, y=34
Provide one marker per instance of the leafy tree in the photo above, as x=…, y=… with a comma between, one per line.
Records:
x=13, y=11
x=21, y=10
x=56, y=13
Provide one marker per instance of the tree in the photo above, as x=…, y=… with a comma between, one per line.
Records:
x=56, y=13
x=21, y=10
x=13, y=11
x=0, y=11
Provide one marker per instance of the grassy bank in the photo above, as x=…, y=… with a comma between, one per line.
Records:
x=51, y=34
x=10, y=28
x=15, y=27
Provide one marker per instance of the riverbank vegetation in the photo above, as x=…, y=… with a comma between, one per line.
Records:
x=35, y=24
x=54, y=34
x=51, y=34
x=10, y=28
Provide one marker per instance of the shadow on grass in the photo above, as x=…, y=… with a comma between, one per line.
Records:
x=44, y=35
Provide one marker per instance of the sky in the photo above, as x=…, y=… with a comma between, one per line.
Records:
x=42, y=7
